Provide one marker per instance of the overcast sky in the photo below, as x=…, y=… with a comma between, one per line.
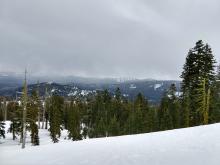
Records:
x=105, y=38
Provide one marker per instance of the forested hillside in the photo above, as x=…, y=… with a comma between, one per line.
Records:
x=106, y=113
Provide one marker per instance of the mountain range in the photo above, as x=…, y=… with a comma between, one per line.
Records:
x=73, y=86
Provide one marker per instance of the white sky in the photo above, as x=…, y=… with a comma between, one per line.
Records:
x=105, y=38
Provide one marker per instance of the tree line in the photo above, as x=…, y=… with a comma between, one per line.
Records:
x=105, y=115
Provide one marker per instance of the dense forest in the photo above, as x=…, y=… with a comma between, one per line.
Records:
x=105, y=115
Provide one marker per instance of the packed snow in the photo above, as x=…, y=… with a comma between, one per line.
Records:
x=190, y=146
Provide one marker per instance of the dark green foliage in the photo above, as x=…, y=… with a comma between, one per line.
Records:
x=47, y=111
x=113, y=127
x=32, y=115
x=214, y=111
x=101, y=129
x=169, y=111
x=73, y=122
x=2, y=129
x=15, y=115
x=129, y=124
x=164, y=116
x=65, y=115
x=55, y=117
x=85, y=132
x=184, y=112
x=140, y=114
x=199, y=65
x=151, y=121
x=98, y=115
x=174, y=106
x=34, y=135
x=15, y=128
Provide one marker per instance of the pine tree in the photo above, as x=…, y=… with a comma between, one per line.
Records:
x=34, y=135
x=117, y=106
x=151, y=120
x=15, y=116
x=173, y=106
x=47, y=110
x=141, y=111
x=65, y=115
x=184, y=114
x=203, y=100
x=214, y=110
x=107, y=107
x=96, y=113
x=164, y=118
x=130, y=125
x=101, y=128
x=73, y=122
x=24, y=116
x=32, y=116
x=15, y=128
x=114, y=127
x=55, y=117
x=199, y=65
x=2, y=129
x=38, y=104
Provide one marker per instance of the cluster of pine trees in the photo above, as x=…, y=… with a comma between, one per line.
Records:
x=15, y=115
x=106, y=115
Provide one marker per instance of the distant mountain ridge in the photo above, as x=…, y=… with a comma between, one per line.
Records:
x=82, y=87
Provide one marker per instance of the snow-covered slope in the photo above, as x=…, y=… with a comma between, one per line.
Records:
x=191, y=146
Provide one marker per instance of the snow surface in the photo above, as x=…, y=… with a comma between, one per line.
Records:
x=72, y=93
x=190, y=146
x=84, y=92
x=132, y=86
x=156, y=86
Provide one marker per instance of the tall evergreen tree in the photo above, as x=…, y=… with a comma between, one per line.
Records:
x=32, y=116
x=173, y=106
x=47, y=110
x=114, y=127
x=164, y=118
x=15, y=116
x=141, y=111
x=214, y=111
x=117, y=105
x=55, y=117
x=101, y=128
x=24, y=115
x=107, y=107
x=199, y=65
x=184, y=110
x=73, y=122
x=151, y=120
x=130, y=122
x=203, y=100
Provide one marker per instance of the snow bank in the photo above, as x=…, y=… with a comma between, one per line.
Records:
x=191, y=146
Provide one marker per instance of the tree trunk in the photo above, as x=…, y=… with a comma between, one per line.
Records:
x=38, y=117
x=43, y=120
x=5, y=109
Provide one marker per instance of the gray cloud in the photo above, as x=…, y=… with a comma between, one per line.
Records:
x=113, y=38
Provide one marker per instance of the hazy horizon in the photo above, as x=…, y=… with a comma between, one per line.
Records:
x=57, y=77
